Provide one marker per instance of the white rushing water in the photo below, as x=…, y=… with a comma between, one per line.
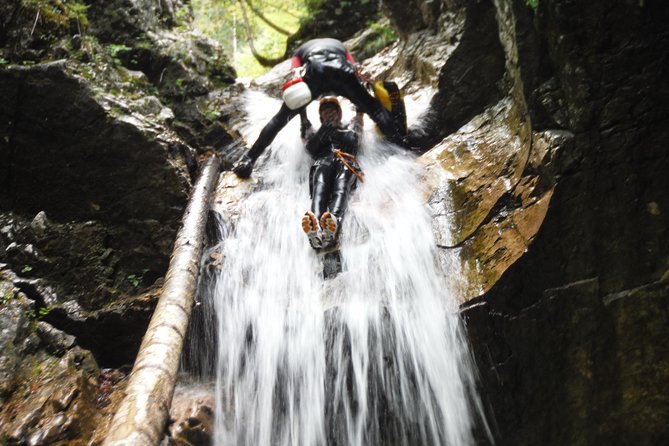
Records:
x=375, y=356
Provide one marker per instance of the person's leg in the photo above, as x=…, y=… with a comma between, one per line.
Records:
x=322, y=176
x=330, y=221
x=339, y=198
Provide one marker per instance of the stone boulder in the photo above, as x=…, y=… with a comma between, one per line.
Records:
x=49, y=390
x=79, y=153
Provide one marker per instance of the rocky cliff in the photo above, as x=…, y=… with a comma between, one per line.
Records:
x=105, y=109
x=558, y=193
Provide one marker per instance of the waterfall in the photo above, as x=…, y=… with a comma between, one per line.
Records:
x=374, y=356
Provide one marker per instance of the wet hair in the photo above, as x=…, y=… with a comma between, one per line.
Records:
x=329, y=105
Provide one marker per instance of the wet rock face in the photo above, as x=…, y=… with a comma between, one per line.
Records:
x=87, y=279
x=570, y=340
x=192, y=415
x=126, y=20
x=63, y=153
x=559, y=215
x=102, y=232
x=48, y=384
x=98, y=143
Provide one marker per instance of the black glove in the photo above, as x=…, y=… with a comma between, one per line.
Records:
x=327, y=133
x=244, y=167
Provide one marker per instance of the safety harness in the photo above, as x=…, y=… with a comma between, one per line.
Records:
x=349, y=161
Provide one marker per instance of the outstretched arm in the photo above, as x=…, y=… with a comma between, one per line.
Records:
x=269, y=132
x=306, y=129
x=244, y=167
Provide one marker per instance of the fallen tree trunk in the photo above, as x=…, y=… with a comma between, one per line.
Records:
x=142, y=415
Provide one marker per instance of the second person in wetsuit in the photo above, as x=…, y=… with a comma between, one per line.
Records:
x=334, y=172
x=328, y=68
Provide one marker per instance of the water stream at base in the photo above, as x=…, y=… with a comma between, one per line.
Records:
x=375, y=356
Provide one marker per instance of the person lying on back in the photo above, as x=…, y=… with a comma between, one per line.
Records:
x=334, y=172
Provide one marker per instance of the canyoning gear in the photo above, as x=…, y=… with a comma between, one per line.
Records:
x=310, y=227
x=329, y=227
x=392, y=99
x=328, y=68
x=330, y=137
x=350, y=163
x=330, y=183
x=296, y=93
x=244, y=167
x=335, y=170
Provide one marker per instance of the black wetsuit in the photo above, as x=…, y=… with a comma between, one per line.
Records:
x=328, y=70
x=330, y=180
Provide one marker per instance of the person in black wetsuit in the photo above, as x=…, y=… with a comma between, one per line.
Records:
x=328, y=68
x=333, y=173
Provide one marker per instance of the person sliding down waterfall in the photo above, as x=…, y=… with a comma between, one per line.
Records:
x=333, y=173
x=324, y=66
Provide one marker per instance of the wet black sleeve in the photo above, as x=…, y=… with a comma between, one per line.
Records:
x=306, y=129
x=269, y=132
x=350, y=141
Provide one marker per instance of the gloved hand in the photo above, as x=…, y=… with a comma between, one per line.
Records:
x=244, y=167
x=327, y=133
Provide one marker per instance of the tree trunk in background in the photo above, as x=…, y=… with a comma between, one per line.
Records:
x=143, y=413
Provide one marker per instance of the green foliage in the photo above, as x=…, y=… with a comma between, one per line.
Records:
x=36, y=370
x=61, y=12
x=313, y=5
x=136, y=279
x=43, y=311
x=3, y=61
x=26, y=269
x=386, y=32
x=532, y=3
x=223, y=21
x=115, y=49
x=182, y=15
x=7, y=296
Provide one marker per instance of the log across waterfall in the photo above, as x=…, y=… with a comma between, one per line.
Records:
x=142, y=415
x=375, y=356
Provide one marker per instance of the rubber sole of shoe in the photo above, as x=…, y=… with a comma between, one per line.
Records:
x=329, y=227
x=310, y=227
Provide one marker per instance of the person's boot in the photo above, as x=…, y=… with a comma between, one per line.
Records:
x=329, y=228
x=310, y=227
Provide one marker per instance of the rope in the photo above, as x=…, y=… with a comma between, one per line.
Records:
x=343, y=157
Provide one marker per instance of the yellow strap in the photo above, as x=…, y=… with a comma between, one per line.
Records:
x=382, y=95
x=342, y=157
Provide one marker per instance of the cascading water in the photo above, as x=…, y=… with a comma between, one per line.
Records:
x=375, y=356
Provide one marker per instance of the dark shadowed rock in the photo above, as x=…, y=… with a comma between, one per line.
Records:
x=48, y=385
x=67, y=150
x=336, y=19
x=570, y=339
x=192, y=414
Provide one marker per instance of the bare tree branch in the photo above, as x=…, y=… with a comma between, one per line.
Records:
x=269, y=23
x=264, y=61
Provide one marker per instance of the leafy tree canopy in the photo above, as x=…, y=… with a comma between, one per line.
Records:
x=245, y=27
